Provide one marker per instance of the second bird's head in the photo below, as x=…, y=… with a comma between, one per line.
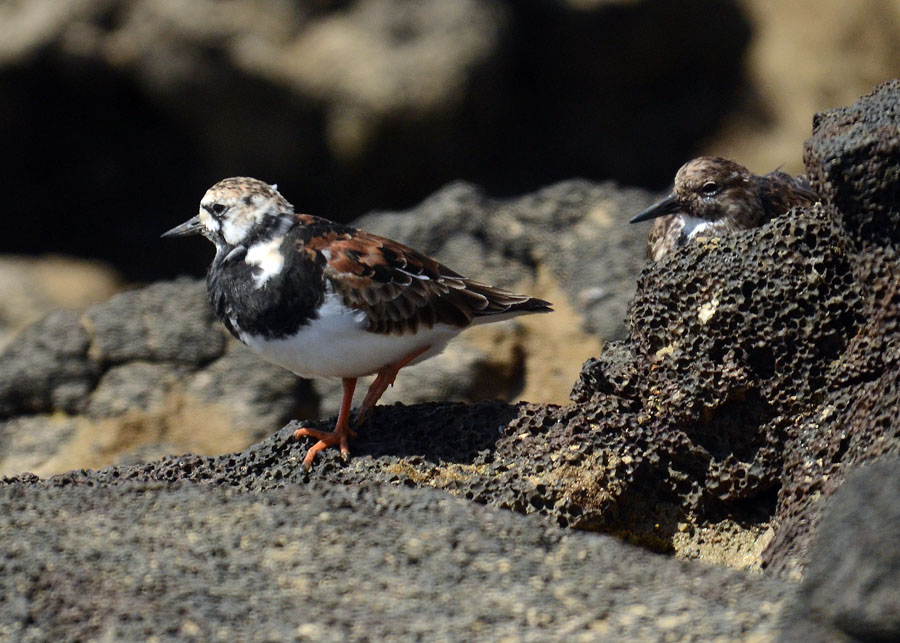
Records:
x=707, y=188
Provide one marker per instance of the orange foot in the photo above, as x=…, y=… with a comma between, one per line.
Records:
x=342, y=431
x=325, y=439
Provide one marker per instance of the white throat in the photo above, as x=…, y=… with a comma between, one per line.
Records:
x=692, y=226
x=267, y=257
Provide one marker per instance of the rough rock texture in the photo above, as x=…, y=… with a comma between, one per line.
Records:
x=759, y=370
x=347, y=105
x=146, y=373
x=851, y=587
x=853, y=158
x=196, y=562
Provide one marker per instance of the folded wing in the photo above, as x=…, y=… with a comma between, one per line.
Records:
x=400, y=289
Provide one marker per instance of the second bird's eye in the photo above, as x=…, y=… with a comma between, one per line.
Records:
x=709, y=188
x=219, y=208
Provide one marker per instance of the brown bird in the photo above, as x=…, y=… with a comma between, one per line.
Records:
x=713, y=195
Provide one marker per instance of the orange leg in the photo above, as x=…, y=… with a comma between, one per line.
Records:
x=383, y=380
x=342, y=431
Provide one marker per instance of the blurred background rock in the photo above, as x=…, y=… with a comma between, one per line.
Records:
x=116, y=115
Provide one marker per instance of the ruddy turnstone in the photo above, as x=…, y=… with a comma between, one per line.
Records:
x=324, y=299
x=713, y=195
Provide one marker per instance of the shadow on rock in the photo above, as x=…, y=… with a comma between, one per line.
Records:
x=452, y=433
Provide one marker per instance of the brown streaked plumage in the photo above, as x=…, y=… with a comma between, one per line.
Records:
x=400, y=289
x=324, y=299
x=713, y=195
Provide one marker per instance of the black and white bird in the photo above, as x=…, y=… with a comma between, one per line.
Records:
x=324, y=299
x=713, y=196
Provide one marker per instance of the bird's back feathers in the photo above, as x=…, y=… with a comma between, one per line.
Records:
x=400, y=289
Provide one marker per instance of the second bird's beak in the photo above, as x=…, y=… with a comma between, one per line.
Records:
x=189, y=227
x=669, y=205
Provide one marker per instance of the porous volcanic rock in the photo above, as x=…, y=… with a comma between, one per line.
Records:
x=853, y=159
x=759, y=370
x=749, y=383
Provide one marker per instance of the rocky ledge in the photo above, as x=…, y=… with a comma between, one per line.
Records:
x=759, y=371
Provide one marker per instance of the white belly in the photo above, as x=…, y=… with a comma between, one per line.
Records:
x=336, y=344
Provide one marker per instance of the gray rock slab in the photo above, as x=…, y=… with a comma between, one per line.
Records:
x=319, y=562
x=47, y=367
x=852, y=584
x=148, y=372
x=168, y=321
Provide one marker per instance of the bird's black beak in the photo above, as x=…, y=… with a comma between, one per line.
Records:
x=189, y=227
x=669, y=205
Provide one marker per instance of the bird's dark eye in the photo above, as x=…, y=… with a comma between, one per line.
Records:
x=219, y=208
x=709, y=188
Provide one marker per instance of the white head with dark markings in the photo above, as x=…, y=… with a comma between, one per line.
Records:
x=239, y=211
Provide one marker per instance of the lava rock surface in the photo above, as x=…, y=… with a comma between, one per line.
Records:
x=759, y=370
